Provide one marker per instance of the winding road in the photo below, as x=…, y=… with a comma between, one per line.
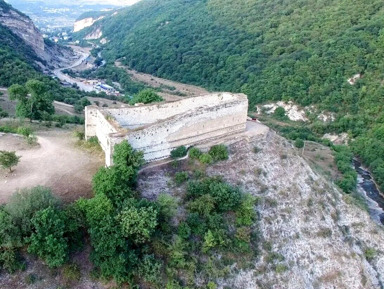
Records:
x=63, y=77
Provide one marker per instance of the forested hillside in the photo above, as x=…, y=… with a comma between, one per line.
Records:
x=16, y=59
x=303, y=51
x=271, y=50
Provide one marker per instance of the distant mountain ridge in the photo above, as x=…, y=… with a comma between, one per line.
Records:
x=24, y=52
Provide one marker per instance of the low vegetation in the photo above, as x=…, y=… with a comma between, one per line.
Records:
x=8, y=160
x=179, y=152
x=133, y=240
x=146, y=96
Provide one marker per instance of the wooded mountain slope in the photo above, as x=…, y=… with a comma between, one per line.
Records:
x=279, y=49
x=271, y=50
x=16, y=57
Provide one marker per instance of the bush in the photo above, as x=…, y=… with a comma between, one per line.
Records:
x=47, y=240
x=167, y=205
x=179, y=152
x=299, y=143
x=194, y=153
x=149, y=269
x=138, y=224
x=24, y=131
x=219, y=153
x=24, y=204
x=227, y=198
x=146, y=96
x=245, y=214
x=279, y=113
x=206, y=159
x=80, y=135
x=10, y=242
x=370, y=254
x=71, y=273
x=180, y=177
x=203, y=205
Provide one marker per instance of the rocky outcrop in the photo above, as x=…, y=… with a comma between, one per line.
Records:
x=313, y=236
x=23, y=27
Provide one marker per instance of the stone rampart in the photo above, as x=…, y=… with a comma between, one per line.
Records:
x=157, y=129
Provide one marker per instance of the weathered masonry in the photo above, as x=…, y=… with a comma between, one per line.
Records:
x=158, y=128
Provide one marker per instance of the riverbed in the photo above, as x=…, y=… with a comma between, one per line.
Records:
x=368, y=189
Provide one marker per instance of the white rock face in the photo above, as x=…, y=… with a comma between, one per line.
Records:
x=95, y=34
x=354, y=78
x=338, y=139
x=293, y=111
x=83, y=23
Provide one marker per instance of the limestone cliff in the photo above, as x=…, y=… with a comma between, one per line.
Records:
x=83, y=23
x=22, y=26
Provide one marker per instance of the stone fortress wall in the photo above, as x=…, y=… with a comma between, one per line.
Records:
x=158, y=128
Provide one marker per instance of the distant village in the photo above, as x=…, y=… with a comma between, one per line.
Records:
x=97, y=85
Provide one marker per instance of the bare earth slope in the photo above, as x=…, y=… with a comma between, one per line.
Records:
x=312, y=235
x=55, y=163
x=164, y=84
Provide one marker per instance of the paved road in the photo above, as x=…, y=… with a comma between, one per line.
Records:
x=63, y=77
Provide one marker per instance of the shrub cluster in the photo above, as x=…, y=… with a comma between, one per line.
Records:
x=179, y=152
x=134, y=240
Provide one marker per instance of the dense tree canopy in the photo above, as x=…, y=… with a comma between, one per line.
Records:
x=33, y=100
x=303, y=51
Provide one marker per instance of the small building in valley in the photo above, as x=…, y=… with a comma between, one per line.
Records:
x=157, y=129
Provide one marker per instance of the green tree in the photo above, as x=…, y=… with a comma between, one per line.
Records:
x=179, y=152
x=47, y=240
x=8, y=160
x=146, y=96
x=33, y=100
x=10, y=242
x=110, y=251
x=117, y=181
x=125, y=155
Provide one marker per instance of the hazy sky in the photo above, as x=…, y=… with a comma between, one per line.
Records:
x=114, y=2
x=79, y=2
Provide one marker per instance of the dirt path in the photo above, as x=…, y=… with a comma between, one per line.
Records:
x=170, y=88
x=56, y=163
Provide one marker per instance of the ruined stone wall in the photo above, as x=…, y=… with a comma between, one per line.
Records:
x=134, y=117
x=97, y=125
x=159, y=128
